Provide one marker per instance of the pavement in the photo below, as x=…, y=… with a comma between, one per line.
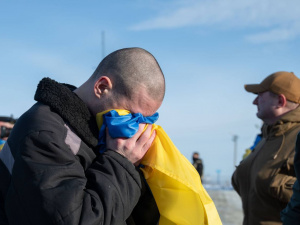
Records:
x=228, y=204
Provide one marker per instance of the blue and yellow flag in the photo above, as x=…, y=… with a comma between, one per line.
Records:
x=2, y=142
x=173, y=180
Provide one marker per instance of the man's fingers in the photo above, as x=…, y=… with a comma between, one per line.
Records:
x=139, y=132
x=144, y=137
x=146, y=140
x=133, y=148
x=144, y=149
x=149, y=142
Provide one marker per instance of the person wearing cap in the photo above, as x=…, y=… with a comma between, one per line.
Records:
x=265, y=178
x=198, y=164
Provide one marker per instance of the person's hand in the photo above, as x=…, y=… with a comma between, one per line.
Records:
x=133, y=148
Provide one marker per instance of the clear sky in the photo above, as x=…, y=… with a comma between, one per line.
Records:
x=207, y=49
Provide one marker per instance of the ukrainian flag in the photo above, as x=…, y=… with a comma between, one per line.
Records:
x=173, y=180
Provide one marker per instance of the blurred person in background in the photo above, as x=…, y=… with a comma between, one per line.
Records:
x=264, y=179
x=6, y=125
x=198, y=164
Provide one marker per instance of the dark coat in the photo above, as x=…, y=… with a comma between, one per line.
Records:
x=291, y=214
x=51, y=171
x=198, y=166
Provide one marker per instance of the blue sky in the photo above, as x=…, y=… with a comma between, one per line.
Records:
x=207, y=50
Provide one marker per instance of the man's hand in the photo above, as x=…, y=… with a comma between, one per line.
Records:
x=133, y=148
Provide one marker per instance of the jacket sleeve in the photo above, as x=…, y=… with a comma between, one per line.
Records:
x=281, y=186
x=49, y=185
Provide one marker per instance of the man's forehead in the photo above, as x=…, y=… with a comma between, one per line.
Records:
x=143, y=104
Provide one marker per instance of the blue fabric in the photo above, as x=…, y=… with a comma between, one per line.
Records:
x=122, y=126
x=2, y=141
x=257, y=139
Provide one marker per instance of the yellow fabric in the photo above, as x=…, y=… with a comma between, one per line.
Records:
x=247, y=152
x=1, y=146
x=175, y=184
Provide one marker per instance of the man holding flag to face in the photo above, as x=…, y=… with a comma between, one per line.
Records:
x=59, y=169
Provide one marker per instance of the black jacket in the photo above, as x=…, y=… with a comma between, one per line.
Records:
x=52, y=172
x=291, y=214
x=198, y=166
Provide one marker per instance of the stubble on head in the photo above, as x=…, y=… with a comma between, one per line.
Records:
x=137, y=80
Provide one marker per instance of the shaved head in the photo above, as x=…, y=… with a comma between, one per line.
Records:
x=128, y=78
x=130, y=69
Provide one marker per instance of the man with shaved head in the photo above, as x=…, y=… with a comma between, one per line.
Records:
x=51, y=169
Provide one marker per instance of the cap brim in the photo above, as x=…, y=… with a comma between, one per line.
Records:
x=254, y=88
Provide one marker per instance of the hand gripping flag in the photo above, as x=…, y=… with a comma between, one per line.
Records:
x=174, y=182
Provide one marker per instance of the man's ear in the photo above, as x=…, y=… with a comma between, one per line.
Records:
x=102, y=86
x=281, y=100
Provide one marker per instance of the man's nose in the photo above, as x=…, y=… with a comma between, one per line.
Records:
x=255, y=101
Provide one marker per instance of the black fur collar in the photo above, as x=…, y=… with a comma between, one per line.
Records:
x=62, y=100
